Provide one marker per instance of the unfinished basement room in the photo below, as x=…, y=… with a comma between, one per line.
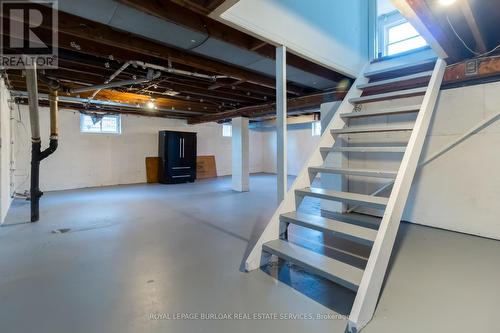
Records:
x=237, y=166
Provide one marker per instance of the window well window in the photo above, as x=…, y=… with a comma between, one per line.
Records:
x=402, y=37
x=227, y=130
x=105, y=124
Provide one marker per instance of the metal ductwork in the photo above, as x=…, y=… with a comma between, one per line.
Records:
x=37, y=155
x=150, y=76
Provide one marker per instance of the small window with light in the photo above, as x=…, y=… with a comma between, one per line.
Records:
x=402, y=37
x=227, y=130
x=100, y=124
x=316, y=128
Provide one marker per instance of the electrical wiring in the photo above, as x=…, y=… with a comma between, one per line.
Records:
x=477, y=54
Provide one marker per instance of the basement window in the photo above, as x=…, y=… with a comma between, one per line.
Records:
x=101, y=124
x=402, y=37
x=316, y=128
x=227, y=130
x=394, y=34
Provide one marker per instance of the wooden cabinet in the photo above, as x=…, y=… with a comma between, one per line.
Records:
x=177, y=152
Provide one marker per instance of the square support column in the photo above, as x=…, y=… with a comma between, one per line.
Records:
x=241, y=155
x=281, y=112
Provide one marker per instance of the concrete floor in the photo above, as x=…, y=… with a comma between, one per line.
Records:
x=138, y=250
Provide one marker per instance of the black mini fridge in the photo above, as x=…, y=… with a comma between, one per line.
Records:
x=177, y=152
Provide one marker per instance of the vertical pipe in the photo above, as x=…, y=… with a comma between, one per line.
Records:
x=281, y=109
x=32, y=87
x=53, y=99
x=31, y=84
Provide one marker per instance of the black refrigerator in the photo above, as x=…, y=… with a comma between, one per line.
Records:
x=177, y=152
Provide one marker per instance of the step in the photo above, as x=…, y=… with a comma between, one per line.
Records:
x=355, y=172
x=383, y=112
x=400, y=149
x=389, y=95
x=341, y=229
x=400, y=68
x=331, y=269
x=362, y=220
x=373, y=129
x=351, y=198
x=381, y=83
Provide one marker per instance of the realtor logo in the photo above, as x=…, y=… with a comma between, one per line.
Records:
x=28, y=34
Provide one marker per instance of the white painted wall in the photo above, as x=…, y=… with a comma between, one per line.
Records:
x=331, y=32
x=460, y=190
x=5, y=151
x=300, y=145
x=86, y=160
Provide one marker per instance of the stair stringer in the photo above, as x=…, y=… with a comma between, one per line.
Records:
x=272, y=230
x=373, y=276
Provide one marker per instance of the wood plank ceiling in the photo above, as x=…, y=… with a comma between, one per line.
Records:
x=90, y=52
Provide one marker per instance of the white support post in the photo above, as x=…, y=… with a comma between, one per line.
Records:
x=272, y=230
x=240, y=157
x=281, y=110
x=373, y=40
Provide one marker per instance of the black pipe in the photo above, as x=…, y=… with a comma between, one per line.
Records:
x=35, y=192
x=36, y=157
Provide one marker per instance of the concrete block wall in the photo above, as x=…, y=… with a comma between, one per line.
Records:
x=5, y=151
x=87, y=160
x=459, y=190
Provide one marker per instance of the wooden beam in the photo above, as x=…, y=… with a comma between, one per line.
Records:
x=103, y=37
x=214, y=4
x=92, y=108
x=188, y=4
x=293, y=104
x=191, y=18
x=455, y=75
x=474, y=28
x=486, y=68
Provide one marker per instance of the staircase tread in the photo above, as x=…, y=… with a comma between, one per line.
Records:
x=399, y=149
x=395, y=80
x=329, y=268
x=369, y=113
x=351, y=231
x=401, y=67
x=363, y=199
x=392, y=94
x=372, y=222
x=354, y=172
x=369, y=129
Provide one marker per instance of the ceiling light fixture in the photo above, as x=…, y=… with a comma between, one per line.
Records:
x=446, y=2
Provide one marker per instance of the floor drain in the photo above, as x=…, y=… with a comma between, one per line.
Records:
x=61, y=231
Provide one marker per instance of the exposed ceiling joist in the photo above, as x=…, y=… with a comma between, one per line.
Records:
x=201, y=23
x=302, y=102
x=422, y=17
x=122, y=42
x=474, y=28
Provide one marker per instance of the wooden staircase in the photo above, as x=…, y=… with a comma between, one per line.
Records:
x=373, y=86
